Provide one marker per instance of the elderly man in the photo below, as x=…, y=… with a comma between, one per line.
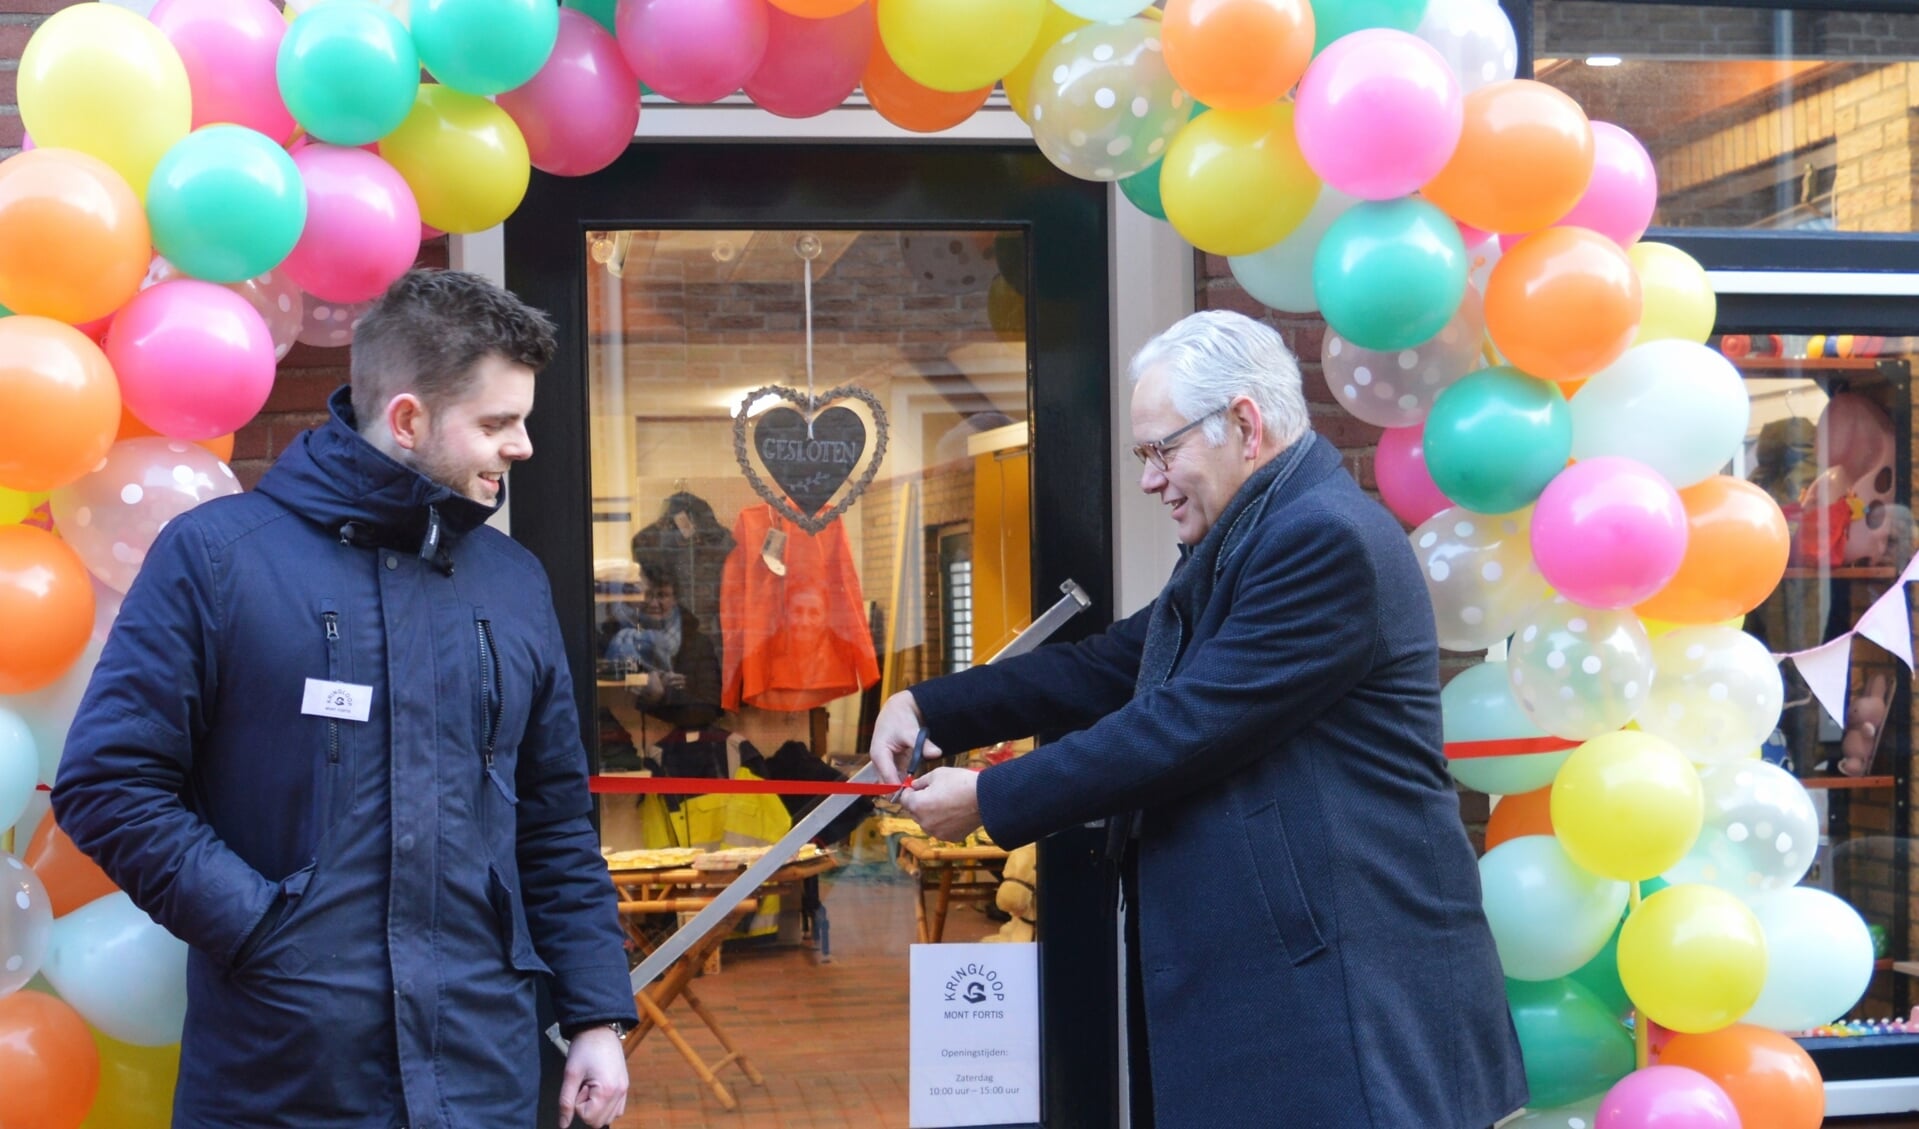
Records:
x=1265, y=738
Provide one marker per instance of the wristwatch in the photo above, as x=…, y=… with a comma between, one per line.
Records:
x=619, y=1030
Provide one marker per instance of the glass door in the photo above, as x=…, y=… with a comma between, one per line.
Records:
x=825, y=425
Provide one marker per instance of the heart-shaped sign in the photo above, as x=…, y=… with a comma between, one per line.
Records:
x=810, y=464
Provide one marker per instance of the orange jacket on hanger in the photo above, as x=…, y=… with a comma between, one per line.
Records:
x=800, y=640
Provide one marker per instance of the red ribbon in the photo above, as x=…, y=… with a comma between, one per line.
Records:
x=1508, y=747
x=698, y=785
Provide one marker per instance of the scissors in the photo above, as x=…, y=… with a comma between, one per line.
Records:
x=913, y=762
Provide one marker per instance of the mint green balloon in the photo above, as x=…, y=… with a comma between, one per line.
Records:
x=1572, y=1045
x=348, y=72
x=1390, y=274
x=602, y=11
x=1600, y=975
x=1334, y=18
x=1496, y=437
x=1142, y=188
x=485, y=46
x=1548, y=916
x=226, y=204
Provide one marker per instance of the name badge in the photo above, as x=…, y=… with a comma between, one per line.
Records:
x=342, y=700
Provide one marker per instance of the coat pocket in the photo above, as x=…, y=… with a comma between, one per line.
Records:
x=518, y=939
x=256, y=952
x=1284, y=894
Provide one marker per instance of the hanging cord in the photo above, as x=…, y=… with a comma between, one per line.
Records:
x=807, y=247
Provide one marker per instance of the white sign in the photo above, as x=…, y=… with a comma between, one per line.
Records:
x=975, y=1035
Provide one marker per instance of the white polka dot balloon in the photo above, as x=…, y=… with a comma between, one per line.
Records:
x=949, y=262
x=1581, y=1115
x=1104, y=105
x=112, y=516
x=1760, y=833
x=1579, y=672
x=1396, y=387
x=1718, y=695
x=1475, y=38
x=26, y=923
x=1479, y=572
x=329, y=325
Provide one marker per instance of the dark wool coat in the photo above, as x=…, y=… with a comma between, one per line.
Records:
x=1312, y=940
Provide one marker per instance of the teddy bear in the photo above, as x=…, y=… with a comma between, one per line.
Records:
x=1016, y=895
x=1865, y=720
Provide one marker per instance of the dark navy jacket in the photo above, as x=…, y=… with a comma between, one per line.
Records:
x=368, y=903
x=1312, y=941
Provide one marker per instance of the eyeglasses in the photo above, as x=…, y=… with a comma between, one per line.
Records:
x=1156, y=451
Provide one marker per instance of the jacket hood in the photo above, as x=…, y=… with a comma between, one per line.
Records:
x=332, y=476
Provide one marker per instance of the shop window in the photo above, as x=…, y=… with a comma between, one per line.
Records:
x=1769, y=121
x=1830, y=440
x=956, y=598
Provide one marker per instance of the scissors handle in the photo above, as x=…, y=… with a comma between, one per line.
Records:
x=918, y=756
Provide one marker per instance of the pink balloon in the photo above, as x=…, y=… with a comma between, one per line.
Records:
x=1378, y=114
x=111, y=517
x=1470, y=235
x=1608, y=532
x=811, y=65
x=1399, y=466
x=26, y=141
x=579, y=112
x=693, y=50
x=195, y=360
x=1619, y=200
x=1666, y=1097
x=231, y=49
x=363, y=225
x=272, y=294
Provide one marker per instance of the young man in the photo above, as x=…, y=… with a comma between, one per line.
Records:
x=1309, y=943
x=332, y=745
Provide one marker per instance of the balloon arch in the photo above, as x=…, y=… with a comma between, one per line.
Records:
x=204, y=185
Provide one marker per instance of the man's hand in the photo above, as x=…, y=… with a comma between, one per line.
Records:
x=893, y=733
x=594, y=1085
x=945, y=802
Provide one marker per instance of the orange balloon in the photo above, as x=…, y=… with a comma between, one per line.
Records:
x=1563, y=304
x=1527, y=813
x=49, y=1067
x=59, y=404
x=1772, y=1081
x=71, y=878
x=74, y=243
x=816, y=9
x=909, y=104
x=46, y=605
x=1523, y=160
x=1237, y=54
x=1736, y=551
x=131, y=427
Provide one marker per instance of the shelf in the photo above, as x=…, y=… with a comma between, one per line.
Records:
x=1831, y=782
x=1873, y=572
x=1812, y=364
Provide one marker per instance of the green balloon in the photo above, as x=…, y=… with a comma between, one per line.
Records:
x=1496, y=437
x=226, y=204
x=1600, y=976
x=5, y=313
x=1334, y=18
x=485, y=46
x=1390, y=274
x=348, y=72
x=601, y=11
x=1142, y=188
x=1572, y=1046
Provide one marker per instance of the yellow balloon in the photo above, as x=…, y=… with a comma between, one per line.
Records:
x=1679, y=300
x=1657, y=627
x=463, y=157
x=15, y=505
x=959, y=45
x=1693, y=958
x=102, y=80
x=1054, y=25
x=136, y=1086
x=1233, y=181
x=1627, y=805
x=1005, y=312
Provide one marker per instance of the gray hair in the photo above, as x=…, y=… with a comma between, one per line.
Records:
x=1214, y=356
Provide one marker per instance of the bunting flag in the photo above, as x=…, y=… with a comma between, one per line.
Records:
x=1888, y=623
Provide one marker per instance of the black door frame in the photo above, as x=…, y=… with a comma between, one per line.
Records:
x=847, y=187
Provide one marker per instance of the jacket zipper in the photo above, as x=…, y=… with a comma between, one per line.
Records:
x=491, y=701
x=332, y=622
